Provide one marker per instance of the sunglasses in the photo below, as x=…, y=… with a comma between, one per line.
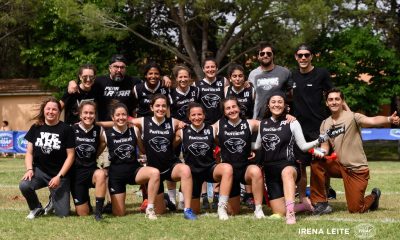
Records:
x=301, y=55
x=262, y=54
x=91, y=78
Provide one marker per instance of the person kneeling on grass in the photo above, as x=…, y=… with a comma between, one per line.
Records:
x=351, y=164
x=49, y=156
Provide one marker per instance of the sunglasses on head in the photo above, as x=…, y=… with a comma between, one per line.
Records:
x=262, y=54
x=301, y=55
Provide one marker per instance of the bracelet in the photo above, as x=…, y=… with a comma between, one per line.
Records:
x=388, y=118
x=30, y=169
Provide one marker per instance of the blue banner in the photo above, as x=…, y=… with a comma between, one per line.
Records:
x=380, y=134
x=20, y=143
x=6, y=141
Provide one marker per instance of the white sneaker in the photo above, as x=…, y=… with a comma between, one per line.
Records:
x=49, y=208
x=259, y=214
x=222, y=214
x=150, y=214
x=35, y=213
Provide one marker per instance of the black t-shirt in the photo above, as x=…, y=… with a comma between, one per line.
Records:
x=108, y=92
x=308, y=100
x=198, y=147
x=245, y=98
x=143, y=96
x=72, y=103
x=50, y=144
x=179, y=102
x=122, y=146
x=87, y=144
x=235, y=142
x=211, y=96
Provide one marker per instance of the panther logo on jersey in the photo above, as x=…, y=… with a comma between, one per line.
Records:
x=159, y=144
x=235, y=145
x=84, y=151
x=210, y=100
x=182, y=110
x=270, y=141
x=198, y=148
x=124, y=151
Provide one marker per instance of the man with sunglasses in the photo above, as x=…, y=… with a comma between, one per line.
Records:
x=267, y=78
x=309, y=86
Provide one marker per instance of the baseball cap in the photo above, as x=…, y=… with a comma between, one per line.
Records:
x=118, y=58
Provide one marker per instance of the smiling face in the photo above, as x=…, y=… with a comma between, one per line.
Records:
x=231, y=110
x=210, y=69
x=303, y=58
x=87, y=78
x=159, y=108
x=237, y=79
x=87, y=115
x=152, y=77
x=51, y=113
x=120, y=117
x=196, y=116
x=334, y=102
x=266, y=57
x=182, y=79
x=276, y=105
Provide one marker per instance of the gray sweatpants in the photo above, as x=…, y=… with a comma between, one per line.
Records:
x=60, y=195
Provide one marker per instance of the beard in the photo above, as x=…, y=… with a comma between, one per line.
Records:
x=266, y=64
x=118, y=78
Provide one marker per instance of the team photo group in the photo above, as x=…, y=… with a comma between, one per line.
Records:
x=252, y=137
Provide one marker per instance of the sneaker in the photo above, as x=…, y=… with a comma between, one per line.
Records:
x=98, y=216
x=49, y=208
x=168, y=203
x=150, y=214
x=143, y=207
x=259, y=214
x=107, y=208
x=214, y=204
x=290, y=218
x=331, y=193
x=189, y=215
x=35, y=213
x=322, y=208
x=377, y=193
x=181, y=205
x=222, y=214
x=275, y=216
x=205, y=204
x=250, y=203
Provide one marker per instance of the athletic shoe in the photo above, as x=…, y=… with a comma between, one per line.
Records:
x=35, y=213
x=214, y=204
x=98, y=216
x=250, y=203
x=168, y=203
x=181, y=205
x=49, y=208
x=275, y=216
x=331, y=193
x=290, y=218
x=143, y=207
x=150, y=214
x=377, y=193
x=222, y=214
x=107, y=208
x=259, y=214
x=189, y=215
x=205, y=204
x=322, y=208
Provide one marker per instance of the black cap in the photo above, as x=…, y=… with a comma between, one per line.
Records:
x=118, y=58
x=304, y=46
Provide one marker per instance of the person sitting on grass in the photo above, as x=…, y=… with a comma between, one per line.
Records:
x=351, y=163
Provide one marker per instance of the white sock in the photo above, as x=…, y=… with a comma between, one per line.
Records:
x=150, y=206
x=181, y=199
x=172, y=195
x=258, y=207
x=223, y=199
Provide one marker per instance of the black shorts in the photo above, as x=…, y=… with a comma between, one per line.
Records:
x=81, y=181
x=238, y=178
x=199, y=177
x=119, y=175
x=273, y=179
x=166, y=175
x=305, y=158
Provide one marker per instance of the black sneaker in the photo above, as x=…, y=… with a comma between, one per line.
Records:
x=107, y=208
x=377, y=193
x=250, y=203
x=214, y=204
x=98, y=216
x=322, y=208
x=205, y=203
x=170, y=205
x=331, y=193
x=35, y=213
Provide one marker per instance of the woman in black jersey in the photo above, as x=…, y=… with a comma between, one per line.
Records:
x=145, y=90
x=234, y=135
x=125, y=168
x=276, y=138
x=198, y=144
x=49, y=156
x=90, y=143
x=158, y=133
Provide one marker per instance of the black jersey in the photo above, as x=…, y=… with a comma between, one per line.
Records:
x=157, y=141
x=277, y=142
x=198, y=147
x=235, y=142
x=245, y=98
x=211, y=96
x=143, y=96
x=72, y=103
x=122, y=146
x=179, y=102
x=87, y=144
x=50, y=144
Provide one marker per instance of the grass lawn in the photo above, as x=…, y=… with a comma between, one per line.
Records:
x=383, y=224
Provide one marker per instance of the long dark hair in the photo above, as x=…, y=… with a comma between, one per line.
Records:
x=233, y=98
x=40, y=118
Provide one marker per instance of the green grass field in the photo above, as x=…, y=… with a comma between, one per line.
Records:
x=383, y=224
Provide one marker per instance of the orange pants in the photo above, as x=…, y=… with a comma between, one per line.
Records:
x=355, y=183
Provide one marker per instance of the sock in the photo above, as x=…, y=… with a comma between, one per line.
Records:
x=185, y=209
x=204, y=195
x=223, y=199
x=289, y=206
x=172, y=195
x=215, y=196
x=99, y=205
x=258, y=208
x=304, y=206
x=150, y=205
x=181, y=199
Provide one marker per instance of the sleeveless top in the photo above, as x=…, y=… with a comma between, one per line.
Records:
x=210, y=96
x=122, y=146
x=87, y=144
